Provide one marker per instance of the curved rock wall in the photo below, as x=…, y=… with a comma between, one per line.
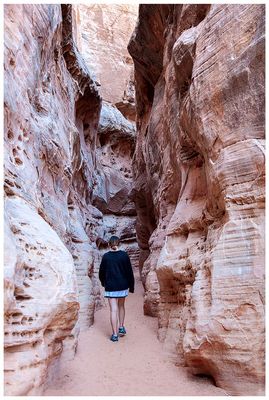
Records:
x=67, y=188
x=103, y=31
x=48, y=183
x=113, y=191
x=102, y=34
x=199, y=185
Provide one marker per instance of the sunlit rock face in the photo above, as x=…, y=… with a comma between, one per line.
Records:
x=43, y=306
x=103, y=31
x=51, y=225
x=199, y=185
x=68, y=187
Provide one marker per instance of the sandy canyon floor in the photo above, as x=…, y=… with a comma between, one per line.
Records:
x=137, y=365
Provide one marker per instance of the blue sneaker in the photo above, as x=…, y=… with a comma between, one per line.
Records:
x=122, y=331
x=114, y=338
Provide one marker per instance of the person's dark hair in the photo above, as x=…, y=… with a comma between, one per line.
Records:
x=114, y=241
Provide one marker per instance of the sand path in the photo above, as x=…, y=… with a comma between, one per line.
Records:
x=135, y=366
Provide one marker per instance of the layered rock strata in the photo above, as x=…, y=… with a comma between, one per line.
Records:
x=103, y=31
x=49, y=164
x=113, y=190
x=54, y=174
x=102, y=36
x=199, y=185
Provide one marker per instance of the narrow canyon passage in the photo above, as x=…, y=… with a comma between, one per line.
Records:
x=135, y=366
x=145, y=122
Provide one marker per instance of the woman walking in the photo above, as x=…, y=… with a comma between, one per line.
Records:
x=116, y=276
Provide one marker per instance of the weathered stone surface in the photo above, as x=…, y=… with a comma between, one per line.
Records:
x=68, y=188
x=49, y=175
x=199, y=185
x=103, y=31
x=116, y=140
x=112, y=193
x=44, y=306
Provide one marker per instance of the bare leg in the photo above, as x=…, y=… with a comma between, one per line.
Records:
x=121, y=306
x=114, y=314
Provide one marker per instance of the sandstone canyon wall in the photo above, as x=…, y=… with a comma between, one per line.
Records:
x=67, y=188
x=103, y=33
x=199, y=185
x=199, y=181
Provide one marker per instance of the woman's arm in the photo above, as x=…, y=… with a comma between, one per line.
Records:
x=102, y=272
x=130, y=274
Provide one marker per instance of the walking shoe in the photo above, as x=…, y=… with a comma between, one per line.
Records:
x=114, y=338
x=122, y=331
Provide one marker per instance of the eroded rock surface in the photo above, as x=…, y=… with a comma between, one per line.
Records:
x=49, y=165
x=67, y=188
x=102, y=37
x=199, y=185
x=43, y=306
x=112, y=193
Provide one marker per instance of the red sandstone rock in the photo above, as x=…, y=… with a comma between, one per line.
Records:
x=48, y=172
x=112, y=193
x=103, y=31
x=199, y=185
x=57, y=164
x=44, y=304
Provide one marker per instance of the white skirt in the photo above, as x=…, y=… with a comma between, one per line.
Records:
x=118, y=293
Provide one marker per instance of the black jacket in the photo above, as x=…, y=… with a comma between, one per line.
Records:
x=116, y=272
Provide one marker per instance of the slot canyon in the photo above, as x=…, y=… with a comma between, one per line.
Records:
x=144, y=121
